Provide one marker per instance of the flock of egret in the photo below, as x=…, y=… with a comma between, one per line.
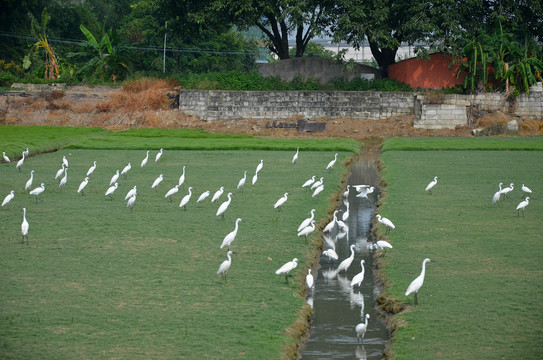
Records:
x=504, y=193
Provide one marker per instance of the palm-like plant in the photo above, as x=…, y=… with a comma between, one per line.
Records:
x=38, y=30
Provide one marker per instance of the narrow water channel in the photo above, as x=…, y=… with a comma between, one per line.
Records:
x=338, y=307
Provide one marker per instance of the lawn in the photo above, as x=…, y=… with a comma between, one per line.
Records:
x=481, y=296
x=98, y=280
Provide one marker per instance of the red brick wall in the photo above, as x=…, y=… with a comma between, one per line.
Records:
x=427, y=74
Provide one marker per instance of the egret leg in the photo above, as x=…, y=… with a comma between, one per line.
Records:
x=185, y=207
x=416, y=300
x=306, y=240
x=171, y=199
x=286, y=278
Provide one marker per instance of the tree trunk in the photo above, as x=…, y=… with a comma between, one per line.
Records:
x=384, y=57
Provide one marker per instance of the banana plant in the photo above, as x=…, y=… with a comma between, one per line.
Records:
x=39, y=31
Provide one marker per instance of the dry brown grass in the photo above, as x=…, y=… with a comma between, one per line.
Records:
x=139, y=95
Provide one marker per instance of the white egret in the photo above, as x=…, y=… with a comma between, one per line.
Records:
x=358, y=278
x=416, y=284
x=343, y=231
x=383, y=220
x=126, y=170
x=359, y=188
x=144, y=161
x=224, y=206
x=217, y=194
x=431, y=185
x=225, y=265
x=331, y=254
x=345, y=214
x=342, y=226
x=318, y=191
x=507, y=190
x=8, y=198
x=64, y=179
x=522, y=206
x=29, y=182
x=331, y=163
x=182, y=177
x=111, y=190
x=307, y=221
x=186, y=199
x=229, y=239
x=259, y=166
x=331, y=224
x=287, y=268
x=295, y=157
x=91, y=169
x=157, y=181
x=26, y=152
x=309, y=182
x=280, y=202
x=309, y=281
x=317, y=183
x=59, y=172
x=363, y=193
x=362, y=328
x=114, y=178
x=241, y=182
x=255, y=179
x=24, y=227
x=171, y=192
x=307, y=230
x=64, y=161
x=130, y=203
x=345, y=264
x=37, y=191
x=383, y=245
x=157, y=157
x=497, y=194
x=82, y=186
x=203, y=196
x=526, y=190
x=346, y=192
x=131, y=192
x=20, y=163
x=6, y=158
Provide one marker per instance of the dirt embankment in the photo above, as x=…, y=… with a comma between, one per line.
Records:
x=148, y=106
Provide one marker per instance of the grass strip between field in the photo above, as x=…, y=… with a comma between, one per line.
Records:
x=481, y=296
x=455, y=143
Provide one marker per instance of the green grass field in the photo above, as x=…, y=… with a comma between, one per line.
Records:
x=481, y=297
x=100, y=281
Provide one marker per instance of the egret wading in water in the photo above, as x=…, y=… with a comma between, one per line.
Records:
x=331, y=163
x=522, y=206
x=157, y=181
x=144, y=161
x=8, y=198
x=126, y=170
x=358, y=278
x=28, y=184
x=172, y=191
x=91, y=169
x=416, y=284
x=362, y=328
x=6, y=158
x=217, y=194
x=383, y=245
x=295, y=157
x=331, y=254
x=24, y=227
x=241, y=182
x=330, y=226
x=309, y=182
x=229, y=239
x=111, y=190
x=82, y=186
x=497, y=194
x=307, y=221
x=157, y=157
x=383, y=220
x=430, y=186
x=224, y=206
x=280, y=202
x=345, y=264
x=309, y=281
x=307, y=230
x=287, y=268
x=186, y=199
x=225, y=265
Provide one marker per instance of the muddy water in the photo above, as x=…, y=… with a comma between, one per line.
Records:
x=337, y=307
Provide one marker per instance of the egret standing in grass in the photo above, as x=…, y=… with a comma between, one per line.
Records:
x=345, y=264
x=309, y=182
x=182, y=177
x=309, y=281
x=416, y=284
x=259, y=166
x=362, y=328
x=131, y=192
x=172, y=191
x=307, y=221
x=431, y=185
x=526, y=190
x=20, y=163
x=157, y=181
x=203, y=196
x=6, y=158
x=358, y=278
x=497, y=194
x=331, y=163
x=82, y=186
x=317, y=183
x=64, y=179
x=241, y=182
x=64, y=161
x=383, y=220
x=29, y=182
x=221, y=210
x=318, y=191
x=229, y=239
x=217, y=194
x=186, y=199
x=130, y=203
x=91, y=169
x=111, y=190
x=225, y=265
x=126, y=170
x=157, y=157
x=307, y=230
x=255, y=179
x=280, y=202
x=8, y=198
x=24, y=227
x=59, y=172
x=383, y=245
x=287, y=268
x=522, y=206
x=114, y=178
x=144, y=161
x=295, y=157
x=507, y=190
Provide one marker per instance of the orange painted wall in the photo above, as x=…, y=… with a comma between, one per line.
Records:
x=426, y=74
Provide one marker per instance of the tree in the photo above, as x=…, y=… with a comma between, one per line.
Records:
x=39, y=30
